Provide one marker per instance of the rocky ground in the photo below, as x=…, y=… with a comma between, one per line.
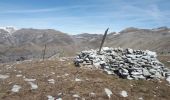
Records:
x=59, y=79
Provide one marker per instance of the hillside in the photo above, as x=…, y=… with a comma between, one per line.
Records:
x=29, y=43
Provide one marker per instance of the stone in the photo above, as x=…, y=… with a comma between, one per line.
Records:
x=152, y=71
x=124, y=93
x=168, y=79
x=129, y=77
x=50, y=97
x=129, y=51
x=146, y=72
x=138, y=77
x=136, y=73
x=52, y=81
x=123, y=73
x=76, y=96
x=105, y=48
x=3, y=76
x=150, y=53
x=109, y=72
x=16, y=88
x=108, y=92
x=33, y=85
x=131, y=56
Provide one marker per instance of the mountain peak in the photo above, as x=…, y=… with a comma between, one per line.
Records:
x=9, y=29
x=160, y=28
x=129, y=29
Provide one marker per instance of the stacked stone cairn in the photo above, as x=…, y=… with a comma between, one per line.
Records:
x=126, y=63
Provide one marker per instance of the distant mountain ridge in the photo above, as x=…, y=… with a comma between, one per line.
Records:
x=29, y=43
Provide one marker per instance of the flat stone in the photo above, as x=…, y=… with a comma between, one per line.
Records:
x=124, y=93
x=50, y=97
x=108, y=92
x=158, y=75
x=150, y=53
x=52, y=81
x=129, y=51
x=76, y=96
x=3, y=76
x=152, y=71
x=146, y=72
x=105, y=48
x=109, y=72
x=16, y=88
x=129, y=77
x=168, y=79
x=33, y=85
x=136, y=73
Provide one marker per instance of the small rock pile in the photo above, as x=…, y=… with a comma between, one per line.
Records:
x=126, y=63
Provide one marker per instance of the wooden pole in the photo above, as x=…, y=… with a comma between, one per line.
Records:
x=104, y=37
x=44, y=52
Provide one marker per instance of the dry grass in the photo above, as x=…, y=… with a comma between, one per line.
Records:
x=92, y=81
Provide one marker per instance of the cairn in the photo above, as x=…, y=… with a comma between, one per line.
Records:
x=126, y=63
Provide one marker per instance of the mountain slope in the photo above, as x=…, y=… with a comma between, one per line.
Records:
x=42, y=36
x=154, y=39
x=29, y=43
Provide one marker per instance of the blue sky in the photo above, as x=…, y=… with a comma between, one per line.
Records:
x=79, y=16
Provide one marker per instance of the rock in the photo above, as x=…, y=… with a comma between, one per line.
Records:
x=150, y=53
x=123, y=72
x=168, y=79
x=92, y=94
x=106, y=49
x=140, y=98
x=124, y=93
x=158, y=75
x=138, y=77
x=129, y=51
x=58, y=99
x=152, y=71
x=131, y=56
x=167, y=74
x=16, y=88
x=78, y=80
x=109, y=72
x=76, y=96
x=19, y=75
x=97, y=65
x=146, y=72
x=29, y=80
x=136, y=73
x=108, y=92
x=3, y=76
x=33, y=85
x=129, y=77
x=52, y=81
x=50, y=97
